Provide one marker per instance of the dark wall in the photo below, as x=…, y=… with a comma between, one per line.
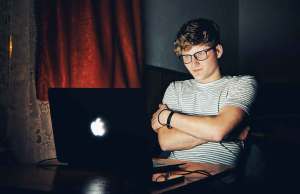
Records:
x=260, y=37
x=5, y=7
x=163, y=18
x=269, y=39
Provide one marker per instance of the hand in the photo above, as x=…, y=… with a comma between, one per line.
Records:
x=163, y=112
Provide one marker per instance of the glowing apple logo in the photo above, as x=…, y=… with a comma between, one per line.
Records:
x=97, y=127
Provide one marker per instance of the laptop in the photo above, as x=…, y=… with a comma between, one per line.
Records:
x=100, y=128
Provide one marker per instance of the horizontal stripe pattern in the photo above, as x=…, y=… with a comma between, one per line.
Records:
x=193, y=98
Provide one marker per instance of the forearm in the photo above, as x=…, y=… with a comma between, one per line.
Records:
x=209, y=128
x=173, y=139
x=204, y=127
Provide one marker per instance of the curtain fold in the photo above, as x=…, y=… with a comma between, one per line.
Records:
x=89, y=44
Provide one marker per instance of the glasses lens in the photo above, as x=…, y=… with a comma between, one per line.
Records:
x=200, y=55
x=186, y=58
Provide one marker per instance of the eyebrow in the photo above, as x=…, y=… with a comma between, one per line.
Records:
x=199, y=51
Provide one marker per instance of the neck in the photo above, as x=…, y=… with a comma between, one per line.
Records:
x=215, y=76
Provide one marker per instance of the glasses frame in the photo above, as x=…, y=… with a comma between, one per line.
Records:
x=194, y=55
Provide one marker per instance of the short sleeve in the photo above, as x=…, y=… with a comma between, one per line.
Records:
x=242, y=92
x=171, y=98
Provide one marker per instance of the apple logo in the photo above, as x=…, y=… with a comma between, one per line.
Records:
x=97, y=127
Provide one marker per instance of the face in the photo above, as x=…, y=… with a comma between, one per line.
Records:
x=207, y=70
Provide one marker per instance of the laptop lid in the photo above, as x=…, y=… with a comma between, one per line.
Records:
x=100, y=127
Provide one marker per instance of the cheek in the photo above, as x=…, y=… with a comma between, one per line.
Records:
x=212, y=68
x=212, y=63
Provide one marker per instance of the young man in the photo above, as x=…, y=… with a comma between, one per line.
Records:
x=198, y=116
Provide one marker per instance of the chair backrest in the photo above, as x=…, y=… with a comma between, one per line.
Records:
x=252, y=163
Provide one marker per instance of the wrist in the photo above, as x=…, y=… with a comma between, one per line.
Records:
x=163, y=116
x=169, y=119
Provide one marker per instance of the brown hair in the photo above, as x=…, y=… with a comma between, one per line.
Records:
x=194, y=32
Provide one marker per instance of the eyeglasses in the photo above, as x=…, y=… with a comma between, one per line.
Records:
x=199, y=56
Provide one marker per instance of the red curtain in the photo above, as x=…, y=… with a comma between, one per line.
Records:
x=89, y=44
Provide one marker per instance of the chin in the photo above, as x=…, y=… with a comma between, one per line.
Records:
x=198, y=78
x=201, y=79
x=195, y=76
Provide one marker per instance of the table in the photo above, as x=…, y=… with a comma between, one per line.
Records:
x=193, y=172
x=33, y=179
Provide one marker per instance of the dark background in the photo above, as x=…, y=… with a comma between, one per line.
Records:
x=260, y=37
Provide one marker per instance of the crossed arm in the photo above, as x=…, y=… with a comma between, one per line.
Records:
x=189, y=131
x=170, y=140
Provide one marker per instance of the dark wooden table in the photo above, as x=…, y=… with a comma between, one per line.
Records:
x=194, y=173
x=33, y=179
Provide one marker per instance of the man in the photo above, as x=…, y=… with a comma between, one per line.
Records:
x=198, y=116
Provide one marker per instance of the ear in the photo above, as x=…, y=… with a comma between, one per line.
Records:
x=219, y=51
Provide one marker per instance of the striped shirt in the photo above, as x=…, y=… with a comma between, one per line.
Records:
x=194, y=98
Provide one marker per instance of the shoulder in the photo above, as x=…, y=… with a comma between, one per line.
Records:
x=179, y=85
x=242, y=81
x=241, y=92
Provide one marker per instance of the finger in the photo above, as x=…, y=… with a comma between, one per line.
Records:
x=154, y=115
x=153, y=126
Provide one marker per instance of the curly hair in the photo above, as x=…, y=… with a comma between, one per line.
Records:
x=194, y=32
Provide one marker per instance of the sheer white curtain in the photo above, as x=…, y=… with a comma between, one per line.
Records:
x=28, y=131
